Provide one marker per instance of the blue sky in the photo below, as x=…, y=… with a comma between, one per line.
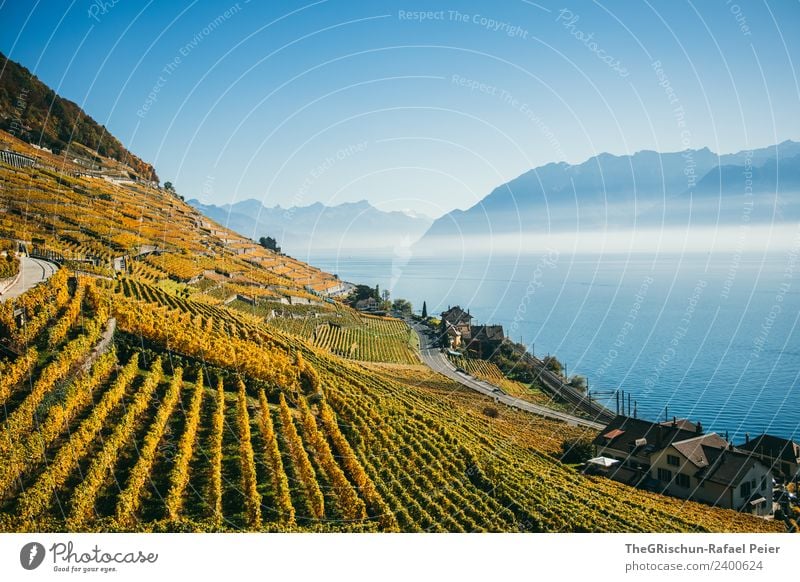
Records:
x=334, y=101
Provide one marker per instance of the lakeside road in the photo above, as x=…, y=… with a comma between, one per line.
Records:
x=438, y=362
x=32, y=272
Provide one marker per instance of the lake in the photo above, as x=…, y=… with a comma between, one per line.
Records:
x=710, y=338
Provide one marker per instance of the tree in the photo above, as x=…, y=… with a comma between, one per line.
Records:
x=402, y=306
x=577, y=450
x=269, y=243
x=424, y=310
x=578, y=382
x=552, y=364
x=386, y=295
x=169, y=187
x=362, y=292
x=377, y=294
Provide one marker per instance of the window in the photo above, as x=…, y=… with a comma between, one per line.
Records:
x=664, y=475
x=682, y=480
x=744, y=490
x=673, y=460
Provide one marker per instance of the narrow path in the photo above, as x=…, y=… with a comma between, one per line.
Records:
x=438, y=362
x=32, y=272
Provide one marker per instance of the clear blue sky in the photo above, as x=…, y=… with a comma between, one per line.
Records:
x=341, y=100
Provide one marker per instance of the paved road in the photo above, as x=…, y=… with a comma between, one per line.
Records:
x=438, y=362
x=34, y=271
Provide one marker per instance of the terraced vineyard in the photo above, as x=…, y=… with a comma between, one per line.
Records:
x=207, y=420
x=91, y=222
x=353, y=335
x=489, y=372
x=137, y=401
x=374, y=339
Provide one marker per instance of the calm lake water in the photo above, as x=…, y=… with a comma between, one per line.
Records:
x=714, y=339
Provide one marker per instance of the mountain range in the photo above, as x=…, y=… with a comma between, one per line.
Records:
x=609, y=192
x=306, y=230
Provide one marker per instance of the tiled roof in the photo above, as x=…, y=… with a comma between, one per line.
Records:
x=612, y=434
x=726, y=466
x=773, y=446
x=627, y=431
x=694, y=448
x=683, y=423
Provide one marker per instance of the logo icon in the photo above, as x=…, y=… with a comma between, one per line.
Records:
x=32, y=555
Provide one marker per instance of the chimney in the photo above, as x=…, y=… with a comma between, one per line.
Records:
x=674, y=421
x=747, y=438
x=699, y=428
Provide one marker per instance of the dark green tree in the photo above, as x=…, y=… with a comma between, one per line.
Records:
x=578, y=382
x=576, y=450
x=552, y=364
x=402, y=306
x=424, y=310
x=269, y=243
x=362, y=292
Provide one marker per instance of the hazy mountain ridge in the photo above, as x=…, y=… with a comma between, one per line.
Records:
x=771, y=175
x=617, y=192
x=317, y=227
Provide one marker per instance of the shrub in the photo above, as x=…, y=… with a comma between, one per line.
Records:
x=491, y=412
x=578, y=382
x=9, y=266
x=577, y=450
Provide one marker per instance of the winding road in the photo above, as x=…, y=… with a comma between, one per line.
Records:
x=32, y=272
x=438, y=362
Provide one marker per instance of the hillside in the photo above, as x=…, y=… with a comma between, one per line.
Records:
x=204, y=385
x=32, y=111
x=304, y=230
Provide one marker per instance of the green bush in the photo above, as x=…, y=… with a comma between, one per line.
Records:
x=9, y=266
x=576, y=450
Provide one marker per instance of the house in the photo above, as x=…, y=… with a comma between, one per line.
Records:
x=633, y=441
x=678, y=468
x=677, y=458
x=485, y=340
x=368, y=304
x=781, y=455
x=459, y=319
x=742, y=482
x=453, y=336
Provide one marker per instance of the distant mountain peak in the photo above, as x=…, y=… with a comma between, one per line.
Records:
x=609, y=192
x=307, y=229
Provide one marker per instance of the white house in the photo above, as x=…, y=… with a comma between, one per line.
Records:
x=707, y=468
x=668, y=458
